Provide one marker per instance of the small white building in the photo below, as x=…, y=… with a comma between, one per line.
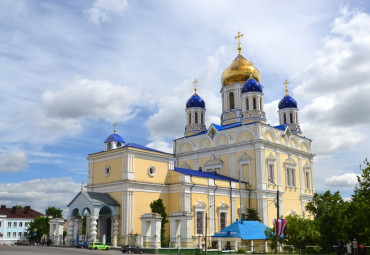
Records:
x=14, y=223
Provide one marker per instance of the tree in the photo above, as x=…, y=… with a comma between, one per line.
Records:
x=54, y=212
x=359, y=209
x=157, y=206
x=300, y=232
x=329, y=210
x=37, y=228
x=252, y=214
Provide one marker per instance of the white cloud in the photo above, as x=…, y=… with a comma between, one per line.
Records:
x=82, y=98
x=37, y=193
x=103, y=9
x=161, y=146
x=348, y=180
x=13, y=161
x=336, y=87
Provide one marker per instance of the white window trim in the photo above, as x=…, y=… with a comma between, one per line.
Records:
x=270, y=162
x=152, y=171
x=245, y=160
x=290, y=173
x=107, y=170
x=223, y=208
x=199, y=207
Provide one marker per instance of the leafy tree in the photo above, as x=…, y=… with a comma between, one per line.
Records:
x=359, y=209
x=37, y=228
x=300, y=232
x=157, y=206
x=252, y=214
x=19, y=206
x=329, y=210
x=54, y=212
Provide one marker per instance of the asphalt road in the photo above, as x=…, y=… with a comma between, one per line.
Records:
x=50, y=250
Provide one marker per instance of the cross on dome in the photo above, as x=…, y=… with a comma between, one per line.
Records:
x=115, y=126
x=286, y=86
x=195, y=85
x=238, y=36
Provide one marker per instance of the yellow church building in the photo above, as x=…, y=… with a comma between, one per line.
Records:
x=212, y=177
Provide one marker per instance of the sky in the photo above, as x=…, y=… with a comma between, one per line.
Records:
x=69, y=70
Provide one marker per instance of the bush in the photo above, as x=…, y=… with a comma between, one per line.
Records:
x=241, y=250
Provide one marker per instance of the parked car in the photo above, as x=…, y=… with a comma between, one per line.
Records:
x=131, y=249
x=82, y=245
x=98, y=246
x=22, y=243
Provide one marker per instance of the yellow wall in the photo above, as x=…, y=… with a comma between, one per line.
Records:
x=115, y=171
x=141, y=171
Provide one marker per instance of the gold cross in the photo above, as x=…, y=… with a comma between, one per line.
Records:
x=286, y=86
x=115, y=126
x=195, y=85
x=238, y=37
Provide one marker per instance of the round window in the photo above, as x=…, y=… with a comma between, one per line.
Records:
x=152, y=171
x=107, y=170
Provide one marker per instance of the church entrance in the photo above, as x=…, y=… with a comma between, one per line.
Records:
x=105, y=224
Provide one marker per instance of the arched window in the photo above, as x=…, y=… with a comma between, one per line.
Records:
x=202, y=118
x=247, y=104
x=291, y=117
x=199, y=223
x=222, y=220
x=254, y=103
x=284, y=118
x=189, y=117
x=196, y=117
x=231, y=100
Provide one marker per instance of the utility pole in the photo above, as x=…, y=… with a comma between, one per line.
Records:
x=205, y=239
x=277, y=215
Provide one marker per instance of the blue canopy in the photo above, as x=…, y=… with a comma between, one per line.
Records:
x=246, y=230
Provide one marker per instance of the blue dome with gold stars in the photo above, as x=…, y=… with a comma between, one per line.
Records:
x=252, y=86
x=195, y=101
x=287, y=102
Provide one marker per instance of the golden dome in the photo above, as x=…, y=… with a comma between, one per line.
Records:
x=240, y=70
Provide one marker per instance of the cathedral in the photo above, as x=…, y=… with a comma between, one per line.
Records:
x=214, y=175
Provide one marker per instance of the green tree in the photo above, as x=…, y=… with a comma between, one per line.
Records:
x=37, y=228
x=157, y=206
x=359, y=209
x=329, y=210
x=252, y=214
x=54, y=212
x=300, y=232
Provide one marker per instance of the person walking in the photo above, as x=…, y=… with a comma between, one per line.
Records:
x=355, y=247
x=349, y=247
x=340, y=247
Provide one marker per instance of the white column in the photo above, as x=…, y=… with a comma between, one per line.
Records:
x=252, y=246
x=93, y=228
x=70, y=239
x=232, y=165
x=115, y=230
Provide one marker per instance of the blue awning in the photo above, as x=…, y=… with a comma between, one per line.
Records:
x=246, y=230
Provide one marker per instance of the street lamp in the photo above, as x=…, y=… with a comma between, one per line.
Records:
x=277, y=215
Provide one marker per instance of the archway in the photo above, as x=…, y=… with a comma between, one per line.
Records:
x=105, y=223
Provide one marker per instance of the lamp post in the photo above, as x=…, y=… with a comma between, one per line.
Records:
x=277, y=216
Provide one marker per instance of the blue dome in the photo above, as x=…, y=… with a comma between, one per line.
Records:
x=114, y=137
x=252, y=86
x=195, y=101
x=287, y=102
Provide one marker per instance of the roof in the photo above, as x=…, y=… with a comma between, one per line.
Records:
x=287, y=102
x=114, y=137
x=97, y=198
x=137, y=146
x=195, y=101
x=24, y=213
x=252, y=86
x=246, y=230
x=209, y=175
x=281, y=127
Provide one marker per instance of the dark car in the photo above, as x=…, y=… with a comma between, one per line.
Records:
x=131, y=249
x=82, y=245
x=22, y=243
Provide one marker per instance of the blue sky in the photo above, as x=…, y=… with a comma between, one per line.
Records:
x=70, y=69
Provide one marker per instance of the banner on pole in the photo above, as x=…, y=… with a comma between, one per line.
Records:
x=279, y=226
